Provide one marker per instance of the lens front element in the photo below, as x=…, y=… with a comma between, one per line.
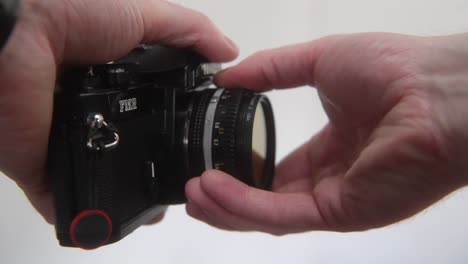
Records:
x=259, y=145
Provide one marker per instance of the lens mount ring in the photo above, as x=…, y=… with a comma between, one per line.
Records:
x=208, y=128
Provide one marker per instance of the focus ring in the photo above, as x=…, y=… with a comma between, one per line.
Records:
x=199, y=107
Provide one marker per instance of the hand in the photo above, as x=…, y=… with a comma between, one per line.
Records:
x=396, y=141
x=53, y=32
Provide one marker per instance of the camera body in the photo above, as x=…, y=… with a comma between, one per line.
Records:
x=8, y=14
x=127, y=136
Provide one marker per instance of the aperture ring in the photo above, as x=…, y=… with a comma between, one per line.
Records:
x=226, y=153
x=208, y=128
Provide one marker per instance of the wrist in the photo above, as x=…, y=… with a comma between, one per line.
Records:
x=447, y=74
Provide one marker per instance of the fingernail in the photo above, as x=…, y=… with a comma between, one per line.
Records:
x=216, y=79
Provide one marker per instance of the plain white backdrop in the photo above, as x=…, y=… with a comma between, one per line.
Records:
x=437, y=235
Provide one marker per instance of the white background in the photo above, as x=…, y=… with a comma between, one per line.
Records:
x=438, y=235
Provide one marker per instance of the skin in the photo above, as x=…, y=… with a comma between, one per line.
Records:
x=396, y=141
x=54, y=32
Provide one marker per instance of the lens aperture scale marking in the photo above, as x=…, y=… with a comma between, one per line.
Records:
x=208, y=129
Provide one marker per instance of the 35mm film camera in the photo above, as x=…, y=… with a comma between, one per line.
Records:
x=128, y=135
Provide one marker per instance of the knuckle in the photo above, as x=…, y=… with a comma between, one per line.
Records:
x=268, y=69
x=45, y=18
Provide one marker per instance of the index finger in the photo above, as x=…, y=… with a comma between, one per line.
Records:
x=284, y=67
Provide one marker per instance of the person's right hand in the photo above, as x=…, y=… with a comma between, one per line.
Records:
x=397, y=140
x=53, y=32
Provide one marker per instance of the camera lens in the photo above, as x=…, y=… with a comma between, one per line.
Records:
x=228, y=130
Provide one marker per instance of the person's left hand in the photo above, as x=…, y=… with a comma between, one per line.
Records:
x=49, y=33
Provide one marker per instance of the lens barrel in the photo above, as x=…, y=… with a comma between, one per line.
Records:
x=232, y=131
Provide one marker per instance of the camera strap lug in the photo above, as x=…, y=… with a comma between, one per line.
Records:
x=100, y=132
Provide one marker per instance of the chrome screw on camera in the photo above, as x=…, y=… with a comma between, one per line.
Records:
x=96, y=123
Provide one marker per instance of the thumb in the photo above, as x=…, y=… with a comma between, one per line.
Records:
x=223, y=201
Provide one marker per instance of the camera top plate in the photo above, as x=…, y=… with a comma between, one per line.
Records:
x=169, y=67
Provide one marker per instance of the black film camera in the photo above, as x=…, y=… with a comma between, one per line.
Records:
x=128, y=135
x=8, y=14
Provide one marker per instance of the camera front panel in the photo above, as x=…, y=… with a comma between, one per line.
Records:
x=102, y=195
